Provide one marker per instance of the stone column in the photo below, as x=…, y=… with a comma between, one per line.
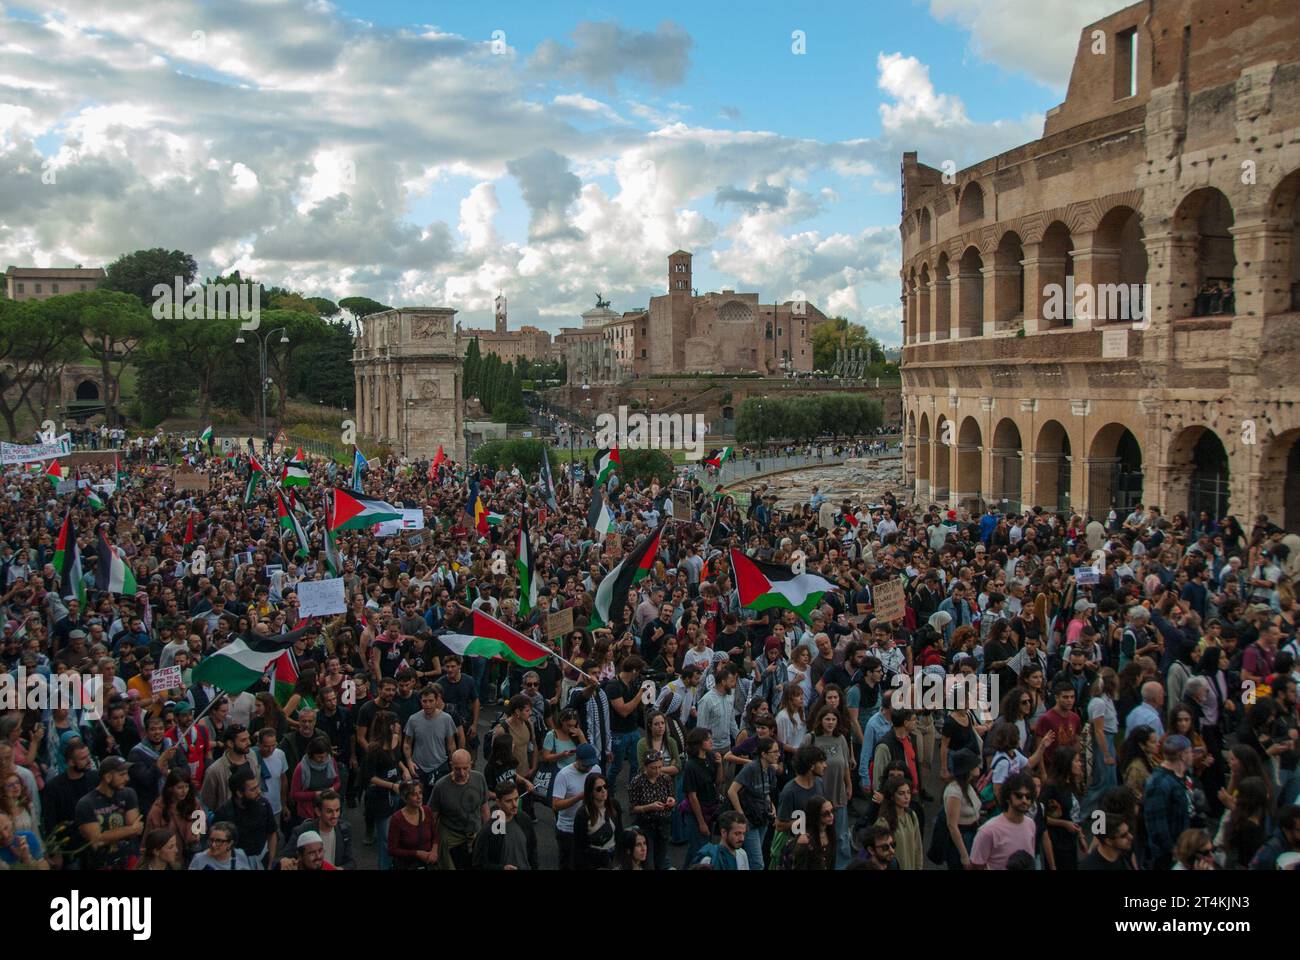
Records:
x=1172, y=274
x=1006, y=465
x=1001, y=291
x=1039, y=272
x=1096, y=266
x=940, y=308
x=924, y=328
x=968, y=304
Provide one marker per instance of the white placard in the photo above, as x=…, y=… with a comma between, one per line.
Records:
x=412, y=519
x=318, y=598
x=160, y=681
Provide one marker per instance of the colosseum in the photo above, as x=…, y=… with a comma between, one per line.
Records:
x=1109, y=315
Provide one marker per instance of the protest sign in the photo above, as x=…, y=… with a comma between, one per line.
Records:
x=319, y=598
x=559, y=623
x=888, y=597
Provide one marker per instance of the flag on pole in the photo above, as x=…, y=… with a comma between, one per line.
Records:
x=54, y=473
x=717, y=458
x=605, y=462
x=548, y=481
x=67, y=562
x=288, y=521
x=295, y=473
x=599, y=515
x=611, y=595
x=354, y=512
x=528, y=585
x=489, y=637
x=112, y=573
x=237, y=666
x=96, y=501
x=358, y=465
x=206, y=436
x=255, y=473
x=332, y=559
x=766, y=585
x=118, y=474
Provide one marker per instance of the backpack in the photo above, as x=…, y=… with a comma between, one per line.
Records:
x=984, y=786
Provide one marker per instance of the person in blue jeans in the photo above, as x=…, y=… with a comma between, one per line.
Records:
x=625, y=716
x=701, y=781
x=752, y=789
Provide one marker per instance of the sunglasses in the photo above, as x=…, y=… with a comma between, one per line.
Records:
x=600, y=788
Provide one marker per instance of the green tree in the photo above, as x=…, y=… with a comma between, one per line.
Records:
x=471, y=368
x=139, y=272
x=302, y=328
x=362, y=307
x=323, y=367
x=645, y=465
x=36, y=339
x=837, y=332
x=326, y=308
x=113, y=326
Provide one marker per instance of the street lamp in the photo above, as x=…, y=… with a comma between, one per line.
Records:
x=263, y=380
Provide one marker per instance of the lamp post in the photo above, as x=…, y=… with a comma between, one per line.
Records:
x=263, y=381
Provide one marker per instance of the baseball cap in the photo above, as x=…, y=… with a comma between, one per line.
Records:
x=586, y=755
x=1082, y=605
x=112, y=765
x=1176, y=744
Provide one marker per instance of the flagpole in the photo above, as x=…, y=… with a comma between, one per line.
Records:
x=211, y=703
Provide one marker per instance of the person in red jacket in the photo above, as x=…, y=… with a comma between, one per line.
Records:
x=315, y=773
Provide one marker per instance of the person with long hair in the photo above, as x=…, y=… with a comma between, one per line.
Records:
x=1104, y=719
x=1015, y=710
x=961, y=808
x=1247, y=825
x=632, y=850
x=657, y=739
x=814, y=847
x=160, y=851
x=825, y=732
x=16, y=800
x=1034, y=679
x=1194, y=850
x=1244, y=763
x=597, y=826
x=267, y=713
x=384, y=771
x=1063, y=840
x=791, y=723
x=897, y=814
x=1138, y=757
x=174, y=810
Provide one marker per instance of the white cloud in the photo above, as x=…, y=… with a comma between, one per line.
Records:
x=1036, y=37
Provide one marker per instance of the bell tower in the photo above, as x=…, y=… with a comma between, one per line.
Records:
x=679, y=273
x=500, y=310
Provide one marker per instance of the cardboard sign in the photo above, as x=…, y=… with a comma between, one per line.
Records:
x=681, y=505
x=413, y=539
x=888, y=598
x=199, y=482
x=160, y=681
x=559, y=623
x=318, y=598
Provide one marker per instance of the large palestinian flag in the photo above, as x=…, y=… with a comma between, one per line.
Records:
x=355, y=512
x=237, y=666
x=605, y=461
x=332, y=558
x=112, y=573
x=611, y=595
x=492, y=638
x=289, y=521
x=766, y=585
x=527, y=573
x=295, y=473
x=255, y=473
x=67, y=563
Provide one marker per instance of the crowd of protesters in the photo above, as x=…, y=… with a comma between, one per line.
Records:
x=1139, y=677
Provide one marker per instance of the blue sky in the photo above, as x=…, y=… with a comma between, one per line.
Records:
x=388, y=149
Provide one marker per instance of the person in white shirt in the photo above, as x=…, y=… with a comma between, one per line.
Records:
x=273, y=769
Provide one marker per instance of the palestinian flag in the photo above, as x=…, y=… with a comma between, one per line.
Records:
x=206, y=436
x=288, y=521
x=118, y=473
x=355, y=512
x=548, y=481
x=295, y=473
x=492, y=638
x=237, y=666
x=332, y=558
x=54, y=473
x=255, y=473
x=766, y=585
x=96, y=501
x=718, y=457
x=67, y=563
x=284, y=677
x=599, y=515
x=605, y=461
x=358, y=465
x=611, y=595
x=112, y=574
x=494, y=519
x=527, y=575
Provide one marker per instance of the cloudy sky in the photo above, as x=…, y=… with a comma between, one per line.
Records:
x=435, y=153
